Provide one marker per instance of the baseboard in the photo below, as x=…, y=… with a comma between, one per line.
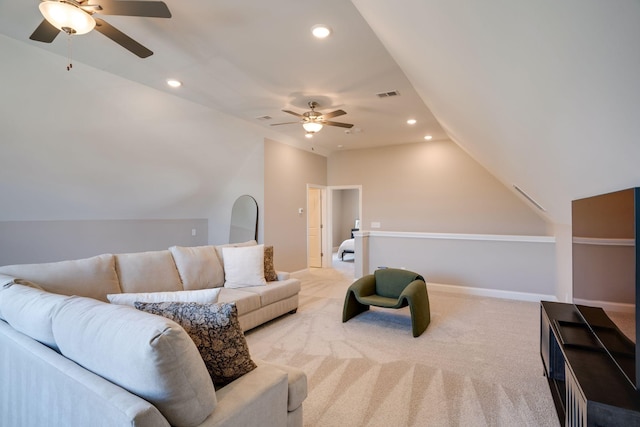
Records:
x=299, y=272
x=493, y=293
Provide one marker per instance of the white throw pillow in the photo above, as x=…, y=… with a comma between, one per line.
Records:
x=219, y=248
x=199, y=266
x=201, y=296
x=151, y=356
x=244, y=266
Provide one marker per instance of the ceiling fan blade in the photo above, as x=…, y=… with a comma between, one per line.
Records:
x=45, y=32
x=286, y=123
x=153, y=9
x=342, y=125
x=122, y=39
x=334, y=114
x=293, y=112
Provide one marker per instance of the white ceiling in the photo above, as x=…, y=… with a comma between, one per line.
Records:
x=544, y=94
x=254, y=58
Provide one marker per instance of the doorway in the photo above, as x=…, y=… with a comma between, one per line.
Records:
x=345, y=206
x=331, y=215
x=315, y=221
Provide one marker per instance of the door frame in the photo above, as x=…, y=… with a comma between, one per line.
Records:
x=329, y=227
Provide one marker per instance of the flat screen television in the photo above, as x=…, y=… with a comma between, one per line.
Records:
x=605, y=271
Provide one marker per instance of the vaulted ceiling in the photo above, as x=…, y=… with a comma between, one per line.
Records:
x=544, y=94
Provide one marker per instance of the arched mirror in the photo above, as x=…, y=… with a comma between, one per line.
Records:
x=244, y=220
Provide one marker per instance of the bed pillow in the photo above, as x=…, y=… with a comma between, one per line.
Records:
x=202, y=296
x=270, y=274
x=244, y=266
x=215, y=330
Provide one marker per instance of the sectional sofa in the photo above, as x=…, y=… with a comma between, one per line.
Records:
x=69, y=357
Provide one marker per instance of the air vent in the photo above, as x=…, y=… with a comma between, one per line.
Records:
x=264, y=118
x=526, y=196
x=388, y=94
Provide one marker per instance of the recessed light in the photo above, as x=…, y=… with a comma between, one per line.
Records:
x=320, y=31
x=411, y=121
x=428, y=137
x=174, y=82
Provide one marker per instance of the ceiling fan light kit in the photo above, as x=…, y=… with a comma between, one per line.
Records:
x=67, y=17
x=75, y=17
x=313, y=121
x=312, y=126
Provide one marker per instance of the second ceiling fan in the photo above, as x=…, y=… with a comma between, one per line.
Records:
x=313, y=121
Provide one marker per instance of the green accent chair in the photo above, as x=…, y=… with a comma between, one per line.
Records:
x=390, y=288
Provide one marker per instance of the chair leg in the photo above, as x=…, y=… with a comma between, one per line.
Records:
x=352, y=307
x=420, y=313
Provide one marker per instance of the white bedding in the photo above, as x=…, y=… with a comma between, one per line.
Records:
x=347, y=245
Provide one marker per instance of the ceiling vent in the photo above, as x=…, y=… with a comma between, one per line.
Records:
x=264, y=118
x=388, y=94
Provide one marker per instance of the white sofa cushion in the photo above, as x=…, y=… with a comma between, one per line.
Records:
x=93, y=277
x=6, y=280
x=245, y=301
x=30, y=310
x=275, y=291
x=202, y=296
x=151, y=356
x=147, y=272
x=199, y=266
x=215, y=330
x=219, y=248
x=243, y=266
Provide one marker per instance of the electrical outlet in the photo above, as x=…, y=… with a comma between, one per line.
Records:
x=193, y=231
x=375, y=225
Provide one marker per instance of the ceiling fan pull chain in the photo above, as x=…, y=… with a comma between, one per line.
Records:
x=69, y=51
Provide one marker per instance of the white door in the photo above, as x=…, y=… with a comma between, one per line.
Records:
x=314, y=227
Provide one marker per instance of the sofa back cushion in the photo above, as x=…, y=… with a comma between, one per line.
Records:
x=220, y=248
x=199, y=266
x=147, y=272
x=151, y=356
x=93, y=277
x=30, y=311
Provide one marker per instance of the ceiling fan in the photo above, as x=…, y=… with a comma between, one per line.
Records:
x=313, y=121
x=77, y=17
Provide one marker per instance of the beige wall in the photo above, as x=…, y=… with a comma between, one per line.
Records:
x=287, y=171
x=432, y=187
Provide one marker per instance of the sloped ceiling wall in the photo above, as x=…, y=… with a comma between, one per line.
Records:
x=86, y=144
x=545, y=94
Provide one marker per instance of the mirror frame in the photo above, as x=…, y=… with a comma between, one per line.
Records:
x=244, y=220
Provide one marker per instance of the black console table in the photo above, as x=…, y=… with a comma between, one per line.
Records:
x=588, y=388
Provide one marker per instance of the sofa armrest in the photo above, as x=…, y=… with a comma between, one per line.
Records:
x=258, y=398
x=283, y=275
x=297, y=381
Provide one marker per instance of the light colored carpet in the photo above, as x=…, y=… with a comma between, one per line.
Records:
x=477, y=364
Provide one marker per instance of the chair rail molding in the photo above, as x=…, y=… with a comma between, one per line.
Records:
x=505, y=266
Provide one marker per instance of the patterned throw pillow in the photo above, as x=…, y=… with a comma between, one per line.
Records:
x=215, y=330
x=270, y=274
